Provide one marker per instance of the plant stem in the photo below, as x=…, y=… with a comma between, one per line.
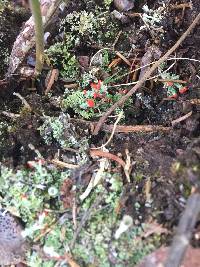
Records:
x=39, y=35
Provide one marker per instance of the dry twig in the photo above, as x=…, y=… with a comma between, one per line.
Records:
x=136, y=128
x=182, y=118
x=62, y=164
x=100, y=153
x=24, y=102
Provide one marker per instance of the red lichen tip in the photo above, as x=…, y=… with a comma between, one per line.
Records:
x=96, y=86
x=169, y=83
x=183, y=90
x=90, y=103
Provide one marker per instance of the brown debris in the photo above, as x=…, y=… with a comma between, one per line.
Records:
x=182, y=118
x=67, y=194
x=136, y=128
x=50, y=79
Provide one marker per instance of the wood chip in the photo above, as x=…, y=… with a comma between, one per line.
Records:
x=50, y=79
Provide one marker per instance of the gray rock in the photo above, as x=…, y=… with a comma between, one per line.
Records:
x=12, y=245
x=124, y=5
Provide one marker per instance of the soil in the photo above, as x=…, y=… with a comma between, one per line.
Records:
x=154, y=156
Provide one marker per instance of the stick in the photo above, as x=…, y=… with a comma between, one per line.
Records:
x=184, y=231
x=136, y=128
x=146, y=75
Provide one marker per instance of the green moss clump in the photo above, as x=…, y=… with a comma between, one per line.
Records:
x=60, y=58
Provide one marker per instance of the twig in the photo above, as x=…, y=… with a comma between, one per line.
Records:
x=194, y=101
x=181, y=6
x=113, y=130
x=100, y=153
x=39, y=35
x=133, y=15
x=96, y=178
x=136, y=128
x=127, y=167
x=176, y=121
x=184, y=231
x=26, y=104
x=127, y=128
x=66, y=258
x=170, y=80
x=123, y=58
x=62, y=164
x=10, y=114
x=146, y=75
x=50, y=80
x=142, y=67
x=45, y=231
x=70, y=261
x=71, y=85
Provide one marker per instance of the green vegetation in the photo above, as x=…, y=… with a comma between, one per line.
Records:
x=3, y=4
x=60, y=131
x=79, y=23
x=28, y=194
x=60, y=58
x=91, y=101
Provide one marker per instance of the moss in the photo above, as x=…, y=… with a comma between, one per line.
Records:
x=60, y=58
